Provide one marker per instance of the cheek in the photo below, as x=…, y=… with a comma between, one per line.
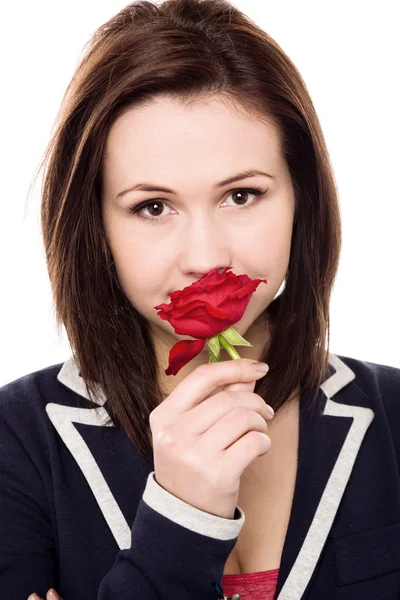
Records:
x=139, y=278
x=267, y=257
x=269, y=242
x=134, y=255
x=142, y=278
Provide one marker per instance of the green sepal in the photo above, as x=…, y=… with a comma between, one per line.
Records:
x=232, y=336
x=213, y=349
x=211, y=358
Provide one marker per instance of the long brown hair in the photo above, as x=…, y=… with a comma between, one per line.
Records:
x=187, y=49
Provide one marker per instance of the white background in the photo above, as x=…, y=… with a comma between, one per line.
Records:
x=348, y=54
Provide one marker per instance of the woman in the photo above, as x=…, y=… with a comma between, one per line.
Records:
x=120, y=481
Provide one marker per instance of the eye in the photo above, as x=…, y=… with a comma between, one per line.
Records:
x=241, y=194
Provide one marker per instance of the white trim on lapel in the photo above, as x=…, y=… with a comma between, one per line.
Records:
x=69, y=375
x=306, y=560
x=63, y=418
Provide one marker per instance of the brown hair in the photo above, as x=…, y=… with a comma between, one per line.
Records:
x=186, y=49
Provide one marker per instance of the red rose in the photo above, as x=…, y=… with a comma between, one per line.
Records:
x=203, y=310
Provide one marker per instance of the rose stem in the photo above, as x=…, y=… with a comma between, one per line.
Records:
x=228, y=347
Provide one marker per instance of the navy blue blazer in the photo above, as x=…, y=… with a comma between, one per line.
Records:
x=80, y=510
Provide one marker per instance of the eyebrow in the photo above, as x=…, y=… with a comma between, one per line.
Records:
x=150, y=187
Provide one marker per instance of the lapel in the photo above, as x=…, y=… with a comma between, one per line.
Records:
x=330, y=436
x=63, y=418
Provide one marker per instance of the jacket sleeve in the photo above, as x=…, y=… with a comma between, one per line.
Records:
x=27, y=551
x=177, y=551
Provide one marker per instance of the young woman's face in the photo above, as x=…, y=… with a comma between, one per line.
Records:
x=199, y=225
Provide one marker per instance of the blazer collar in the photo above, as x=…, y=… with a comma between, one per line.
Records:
x=69, y=375
x=330, y=437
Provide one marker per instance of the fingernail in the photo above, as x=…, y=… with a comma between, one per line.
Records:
x=34, y=597
x=271, y=410
x=262, y=367
x=54, y=595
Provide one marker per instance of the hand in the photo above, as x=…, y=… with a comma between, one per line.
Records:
x=202, y=441
x=51, y=595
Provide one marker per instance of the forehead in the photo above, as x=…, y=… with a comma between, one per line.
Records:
x=165, y=136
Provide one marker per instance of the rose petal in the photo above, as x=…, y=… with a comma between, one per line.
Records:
x=182, y=353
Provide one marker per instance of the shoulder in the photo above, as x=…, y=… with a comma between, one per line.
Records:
x=28, y=402
x=29, y=389
x=29, y=383
x=25, y=430
x=378, y=387
x=376, y=379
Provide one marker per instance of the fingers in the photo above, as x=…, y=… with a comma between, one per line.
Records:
x=201, y=382
x=51, y=595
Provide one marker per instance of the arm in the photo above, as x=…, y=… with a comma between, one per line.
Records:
x=177, y=551
x=28, y=559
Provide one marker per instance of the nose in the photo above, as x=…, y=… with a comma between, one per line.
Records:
x=202, y=274
x=204, y=246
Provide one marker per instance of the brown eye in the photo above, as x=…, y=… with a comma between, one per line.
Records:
x=158, y=210
x=242, y=196
x=155, y=208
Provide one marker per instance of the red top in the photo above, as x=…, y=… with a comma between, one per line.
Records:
x=251, y=586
